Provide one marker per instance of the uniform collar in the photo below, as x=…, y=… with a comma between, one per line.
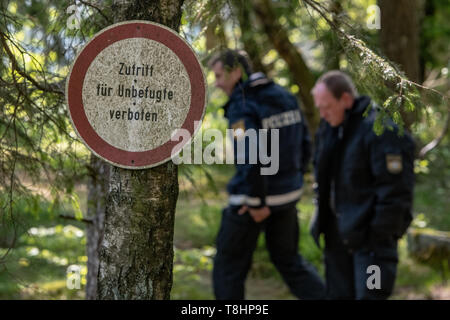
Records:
x=359, y=106
x=237, y=91
x=254, y=81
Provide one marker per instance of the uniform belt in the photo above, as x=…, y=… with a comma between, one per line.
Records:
x=272, y=200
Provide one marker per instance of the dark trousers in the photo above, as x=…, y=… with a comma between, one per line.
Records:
x=351, y=274
x=237, y=240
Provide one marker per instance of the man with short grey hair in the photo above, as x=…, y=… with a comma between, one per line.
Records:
x=364, y=188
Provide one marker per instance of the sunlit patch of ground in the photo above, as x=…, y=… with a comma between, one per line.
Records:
x=37, y=267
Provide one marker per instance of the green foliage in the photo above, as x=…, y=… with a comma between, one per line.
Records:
x=36, y=268
x=37, y=142
x=431, y=197
x=197, y=224
x=435, y=31
x=42, y=160
x=377, y=78
x=191, y=267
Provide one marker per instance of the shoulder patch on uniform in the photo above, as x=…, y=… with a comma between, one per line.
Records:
x=394, y=163
x=238, y=128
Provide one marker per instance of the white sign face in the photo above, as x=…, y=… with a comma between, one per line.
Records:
x=131, y=88
x=134, y=99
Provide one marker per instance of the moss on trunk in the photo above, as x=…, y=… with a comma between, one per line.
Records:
x=136, y=254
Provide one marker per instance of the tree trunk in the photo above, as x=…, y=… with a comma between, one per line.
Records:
x=399, y=37
x=98, y=188
x=215, y=35
x=300, y=72
x=332, y=46
x=426, y=48
x=248, y=32
x=136, y=254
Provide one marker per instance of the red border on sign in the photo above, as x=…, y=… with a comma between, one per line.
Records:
x=75, y=87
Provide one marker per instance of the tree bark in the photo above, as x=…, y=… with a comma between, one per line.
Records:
x=166, y=12
x=301, y=74
x=248, y=32
x=399, y=39
x=136, y=254
x=97, y=195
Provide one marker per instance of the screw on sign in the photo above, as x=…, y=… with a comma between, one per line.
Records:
x=131, y=88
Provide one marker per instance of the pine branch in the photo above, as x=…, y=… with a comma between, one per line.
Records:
x=109, y=20
x=75, y=218
x=390, y=73
x=15, y=67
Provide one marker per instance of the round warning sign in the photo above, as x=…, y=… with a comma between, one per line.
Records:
x=131, y=88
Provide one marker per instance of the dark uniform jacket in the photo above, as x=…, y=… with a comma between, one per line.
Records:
x=259, y=103
x=365, y=180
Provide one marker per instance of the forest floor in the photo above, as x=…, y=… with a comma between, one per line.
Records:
x=198, y=220
x=37, y=267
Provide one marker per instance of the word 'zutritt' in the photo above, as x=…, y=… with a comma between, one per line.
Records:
x=143, y=70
